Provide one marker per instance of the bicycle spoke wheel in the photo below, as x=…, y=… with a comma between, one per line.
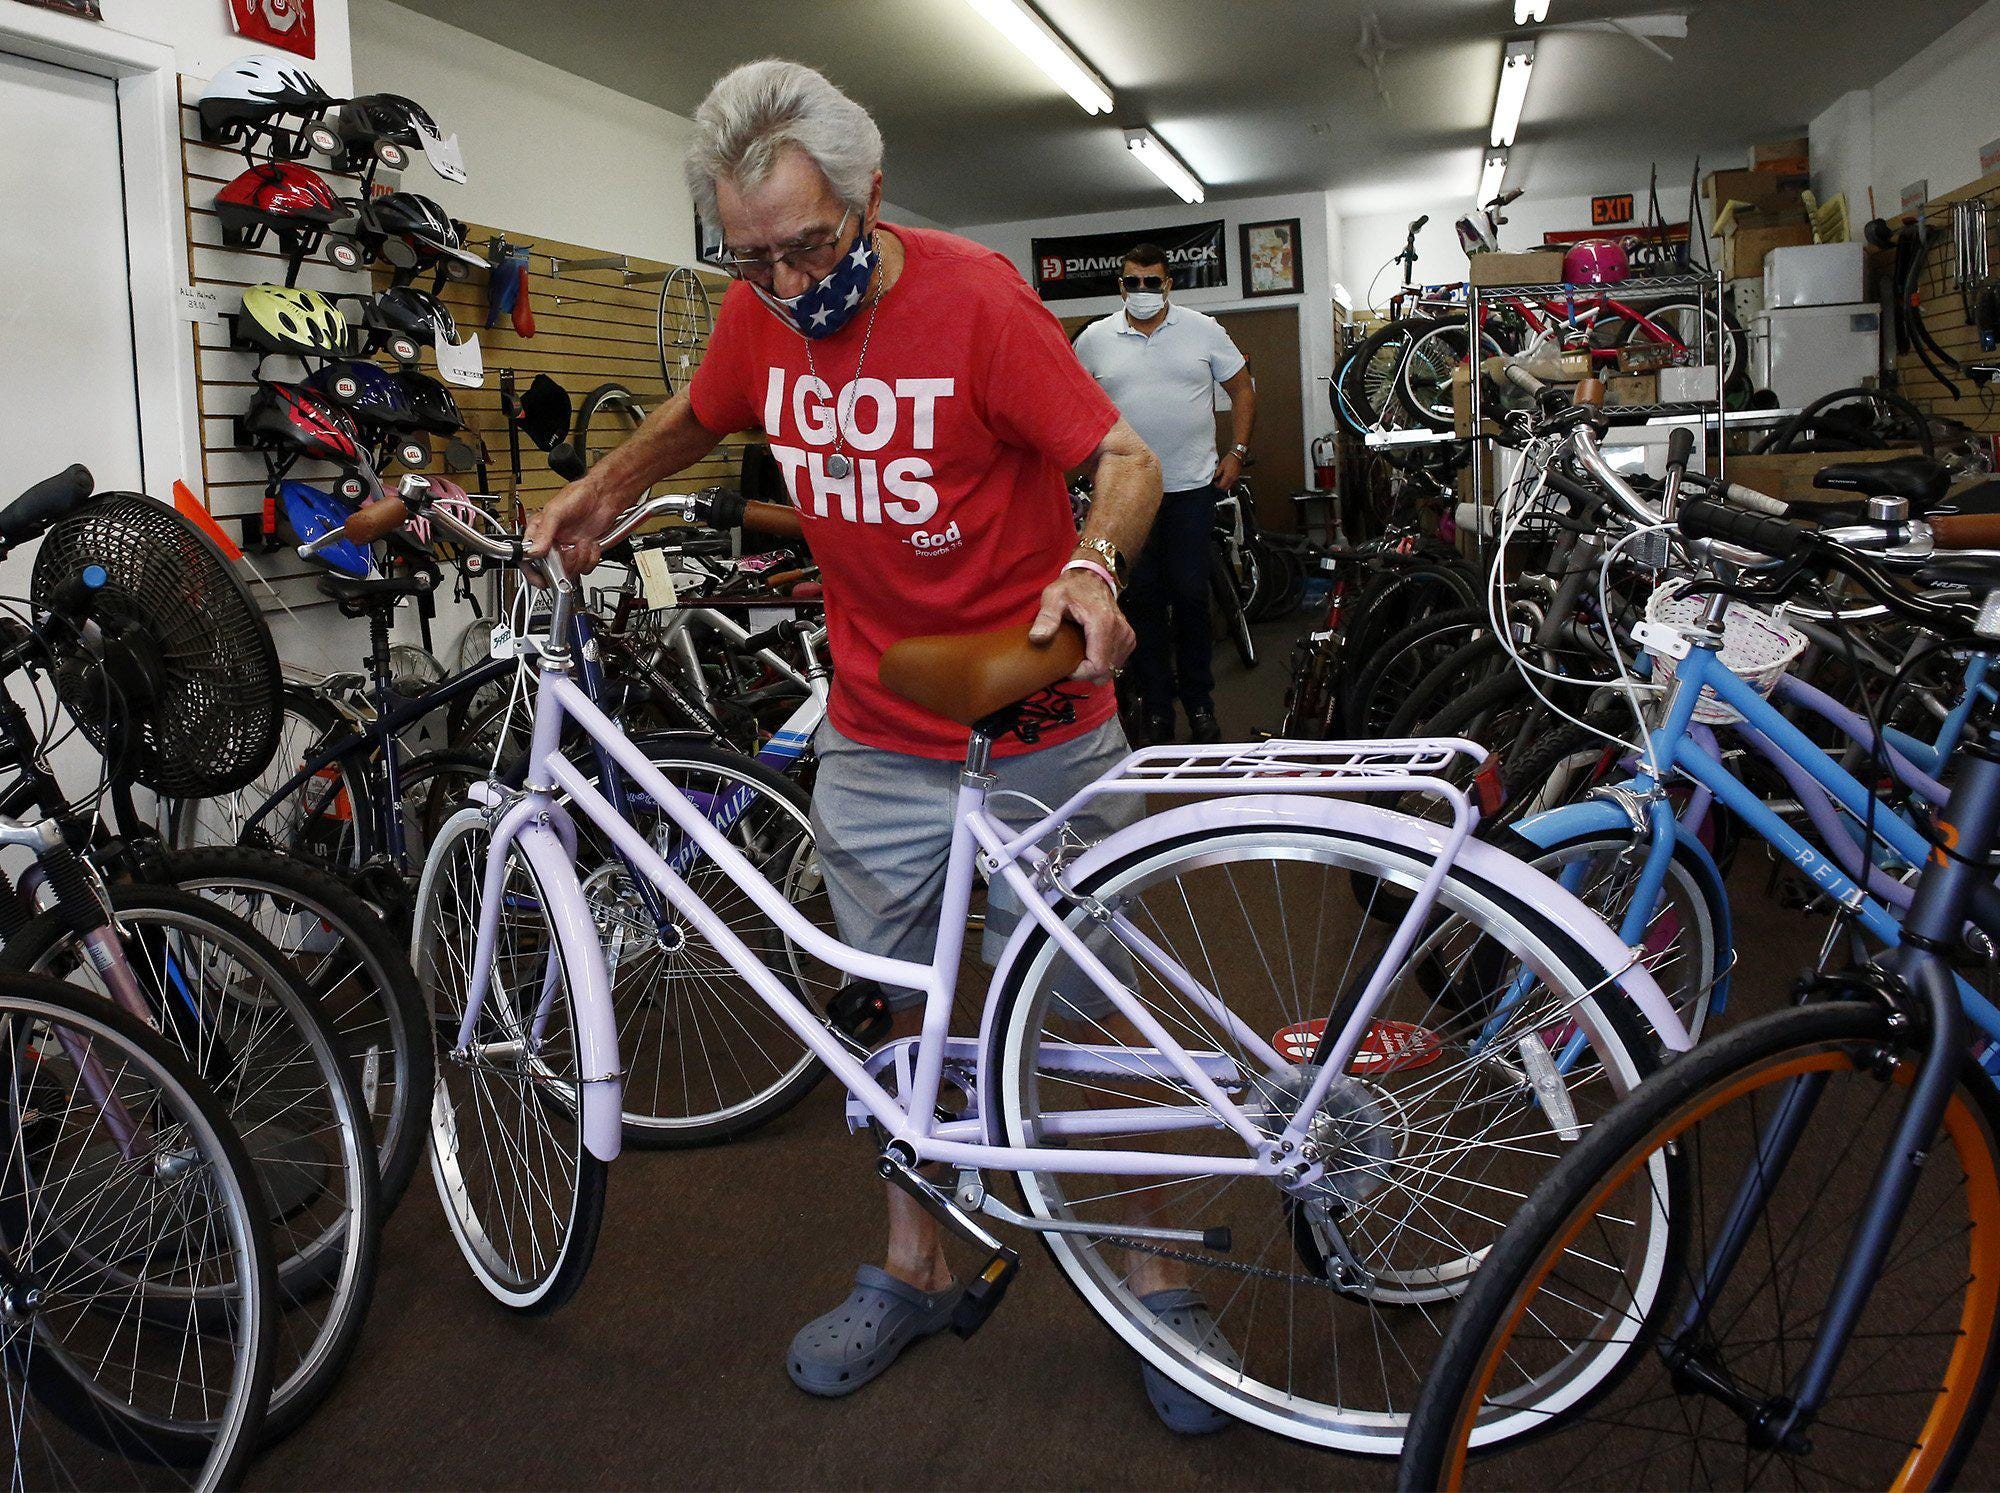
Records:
x=136, y=1337
x=1494, y=1047
x=706, y=1058
x=221, y=995
x=323, y=821
x=522, y=1194
x=1584, y=1358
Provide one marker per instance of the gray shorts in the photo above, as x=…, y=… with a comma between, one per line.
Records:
x=882, y=822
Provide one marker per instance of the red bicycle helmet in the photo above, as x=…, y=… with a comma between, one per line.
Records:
x=282, y=198
x=1596, y=261
x=296, y=421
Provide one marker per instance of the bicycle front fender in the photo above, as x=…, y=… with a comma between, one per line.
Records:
x=1600, y=816
x=1484, y=862
x=554, y=866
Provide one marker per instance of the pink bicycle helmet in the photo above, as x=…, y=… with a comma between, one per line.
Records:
x=1596, y=261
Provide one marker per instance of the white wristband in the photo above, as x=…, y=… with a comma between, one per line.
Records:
x=1097, y=570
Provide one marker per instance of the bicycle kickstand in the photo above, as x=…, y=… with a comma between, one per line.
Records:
x=989, y=1283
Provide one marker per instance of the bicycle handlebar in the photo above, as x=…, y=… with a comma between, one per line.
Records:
x=1966, y=531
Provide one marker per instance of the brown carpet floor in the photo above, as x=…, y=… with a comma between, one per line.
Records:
x=666, y=1370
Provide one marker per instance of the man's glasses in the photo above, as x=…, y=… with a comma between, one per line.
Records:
x=760, y=269
x=1143, y=282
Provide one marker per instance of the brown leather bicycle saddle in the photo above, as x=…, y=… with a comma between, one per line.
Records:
x=968, y=678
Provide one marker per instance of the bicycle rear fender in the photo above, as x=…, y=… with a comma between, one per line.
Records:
x=583, y=956
x=1476, y=858
x=1597, y=816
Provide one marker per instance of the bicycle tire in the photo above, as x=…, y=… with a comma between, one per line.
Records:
x=1401, y=662
x=341, y=927
x=171, y=1449
x=1735, y=346
x=1228, y=610
x=1422, y=357
x=1405, y=1267
x=442, y=940
x=1659, y=1120
x=318, y=1245
x=1367, y=384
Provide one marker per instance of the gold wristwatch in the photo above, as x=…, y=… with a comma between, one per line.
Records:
x=1105, y=550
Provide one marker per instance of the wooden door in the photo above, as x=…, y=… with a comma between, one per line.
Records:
x=1269, y=338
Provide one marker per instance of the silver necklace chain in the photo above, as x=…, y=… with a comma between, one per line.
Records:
x=838, y=465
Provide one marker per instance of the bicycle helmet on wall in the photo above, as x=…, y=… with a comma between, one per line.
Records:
x=410, y=231
x=267, y=100
x=367, y=392
x=404, y=320
x=311, y=512
x=301, y=423
x=1596, y=261
x=280, y=198
x=298, y=323
x=433, y=407
x=387, y=127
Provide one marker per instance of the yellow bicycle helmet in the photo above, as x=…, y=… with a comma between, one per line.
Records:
x=295, y=322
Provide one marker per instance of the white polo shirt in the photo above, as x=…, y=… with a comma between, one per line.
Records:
x=1164, y=385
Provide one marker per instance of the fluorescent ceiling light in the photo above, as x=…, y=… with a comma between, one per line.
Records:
x=1515, y=68
x=1530, y=12
x=1045, y=47
x=1164, y=164
x=1491, y=176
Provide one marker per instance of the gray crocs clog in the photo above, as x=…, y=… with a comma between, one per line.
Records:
x=836, y=1354
x=1183, y=1310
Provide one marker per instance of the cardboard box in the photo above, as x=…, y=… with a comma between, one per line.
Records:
x=1695, y=385
x=1461, y=405
x=1627, y=389
x=1743, y=251
x=1789, y=477
x=1767, y=191
x=1784, y=156
x=1540, y=267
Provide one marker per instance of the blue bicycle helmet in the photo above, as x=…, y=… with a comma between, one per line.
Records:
x=369, y=393
x=312, y=512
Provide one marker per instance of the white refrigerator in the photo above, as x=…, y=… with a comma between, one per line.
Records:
x=1802, y=352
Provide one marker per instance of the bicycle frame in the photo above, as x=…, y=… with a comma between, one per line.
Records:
x=540, y=826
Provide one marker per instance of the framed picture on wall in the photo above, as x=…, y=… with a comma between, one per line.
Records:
x=1270, y=256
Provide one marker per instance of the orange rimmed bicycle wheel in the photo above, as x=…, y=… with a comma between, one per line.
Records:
x=1568, y=1365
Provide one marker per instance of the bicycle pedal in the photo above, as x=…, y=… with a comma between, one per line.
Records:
x=984, y=1292
x=860, y=1010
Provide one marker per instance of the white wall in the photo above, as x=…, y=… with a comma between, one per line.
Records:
x=1927, y=121
x=1316, y=224
x=201, y=36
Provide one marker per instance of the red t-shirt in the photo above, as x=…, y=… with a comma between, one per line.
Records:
x=964, y=416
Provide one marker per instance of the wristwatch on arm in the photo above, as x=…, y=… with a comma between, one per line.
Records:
x=1104, y=560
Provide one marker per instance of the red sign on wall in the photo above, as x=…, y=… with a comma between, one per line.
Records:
x=1611, y=212
x=277, y=23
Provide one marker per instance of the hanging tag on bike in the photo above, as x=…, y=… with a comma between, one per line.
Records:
x=656, y=579
x=502, y=643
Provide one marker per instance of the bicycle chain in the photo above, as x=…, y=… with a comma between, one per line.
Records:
x=1215, y=1262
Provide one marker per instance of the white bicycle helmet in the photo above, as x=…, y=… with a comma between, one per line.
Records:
x=271, y=100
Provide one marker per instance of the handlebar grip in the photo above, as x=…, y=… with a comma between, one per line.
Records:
x=774, y=519
x=1753, y=531
x=1521, y=379
x=1966, y=531
x=1680, y=446
x=384, y=516
x=1590, y=392
x=1755, y=501
x=566, y=461
x=41, y=505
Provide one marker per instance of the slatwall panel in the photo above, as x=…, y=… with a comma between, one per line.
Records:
x=232, y=480
x=592, y=327
x=1944, y=314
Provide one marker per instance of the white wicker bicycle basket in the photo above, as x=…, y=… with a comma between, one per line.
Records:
x=1757, y=647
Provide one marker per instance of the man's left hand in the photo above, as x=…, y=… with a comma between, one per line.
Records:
x=1227, y=471
x=1080, y=597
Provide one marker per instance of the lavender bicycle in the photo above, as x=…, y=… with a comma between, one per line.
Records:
x=1203, y=1061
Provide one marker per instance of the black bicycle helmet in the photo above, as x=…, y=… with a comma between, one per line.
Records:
x=433, y=406
x=270, y=101
x=409, y=230
x=404, y=319
x=386, y=126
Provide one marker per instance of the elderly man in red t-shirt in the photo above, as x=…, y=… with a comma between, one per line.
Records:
x=924, y=407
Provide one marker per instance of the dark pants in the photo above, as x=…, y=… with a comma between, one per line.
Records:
x=1167, y=603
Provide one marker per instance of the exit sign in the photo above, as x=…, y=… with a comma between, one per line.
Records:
x=1611, y=212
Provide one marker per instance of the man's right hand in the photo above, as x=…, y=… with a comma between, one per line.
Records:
x=573, y=522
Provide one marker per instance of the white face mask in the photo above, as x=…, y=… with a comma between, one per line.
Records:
x=1144, y=305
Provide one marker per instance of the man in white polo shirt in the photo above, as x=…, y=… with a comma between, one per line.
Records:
x=1160, y=363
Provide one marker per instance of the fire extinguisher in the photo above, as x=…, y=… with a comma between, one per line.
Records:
x=1325, y=465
